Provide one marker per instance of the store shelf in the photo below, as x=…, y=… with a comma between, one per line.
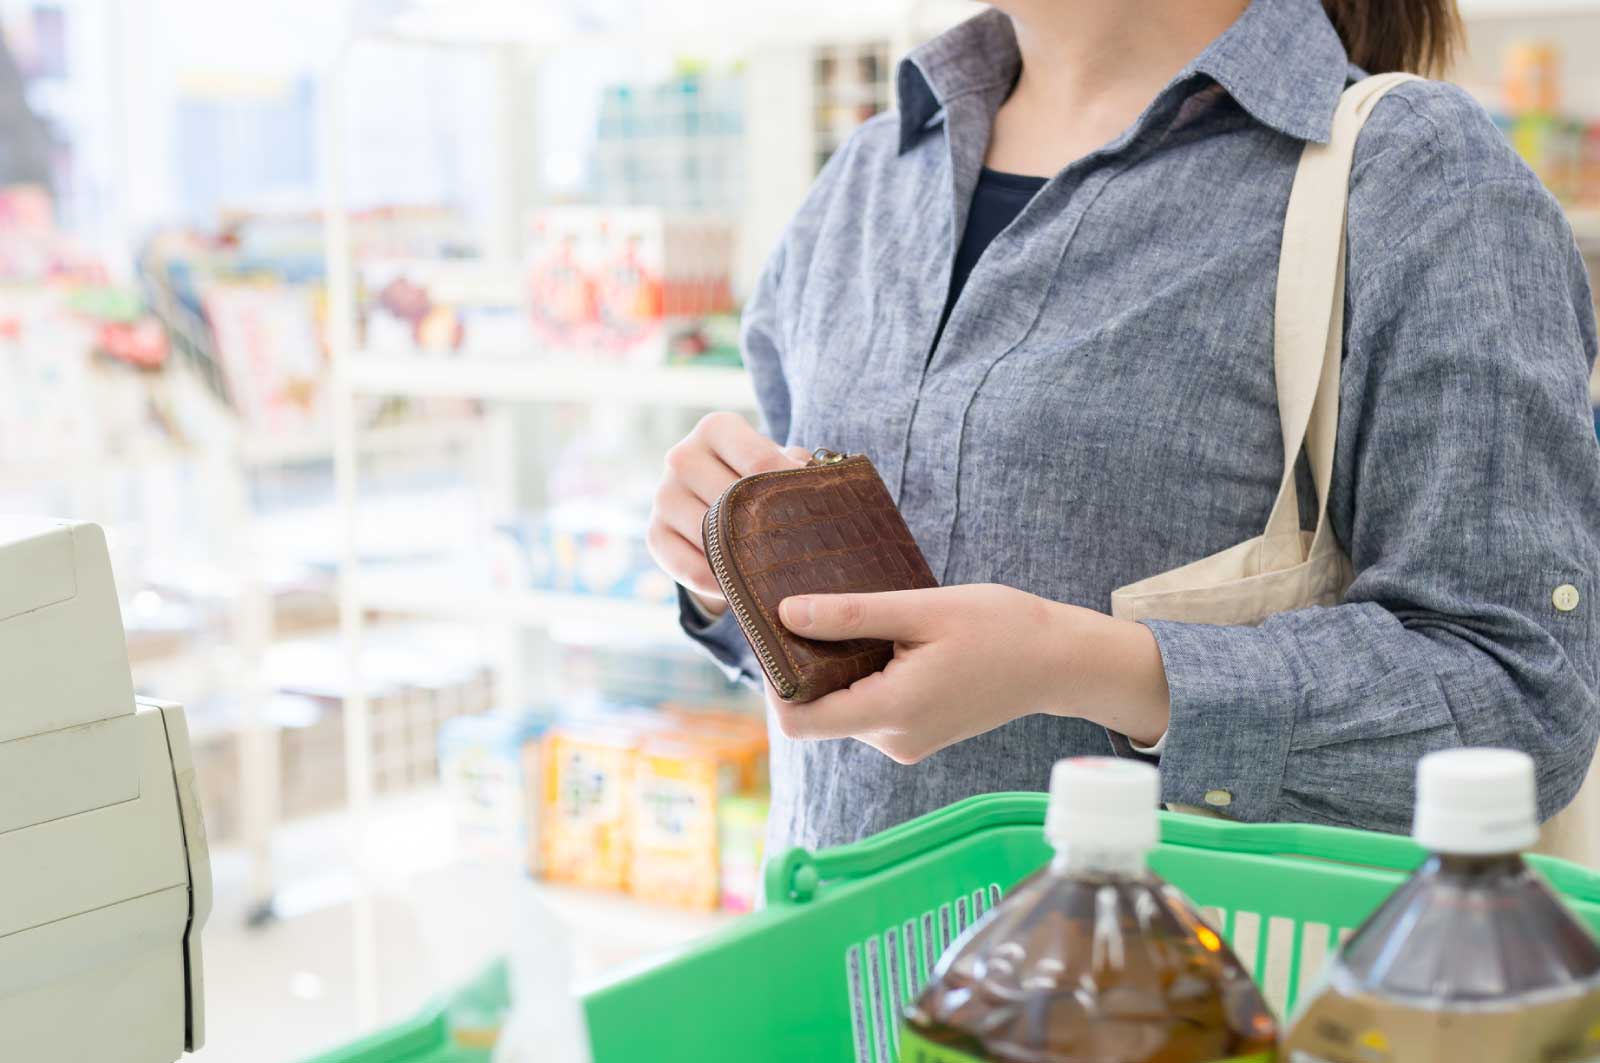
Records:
x=252, y=450
x=379, y=439
x=551, y=378
x=1474, y=9
x=1585, y=222
x=417, y=595
x=675, y=27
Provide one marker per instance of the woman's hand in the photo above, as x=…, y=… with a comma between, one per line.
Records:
x=722, y=448
x=968, y=659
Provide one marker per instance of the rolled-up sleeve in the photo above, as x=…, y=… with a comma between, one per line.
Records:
x=1466, y=490
x=720, y=637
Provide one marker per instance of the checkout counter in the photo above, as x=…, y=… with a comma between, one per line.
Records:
x=104, y=876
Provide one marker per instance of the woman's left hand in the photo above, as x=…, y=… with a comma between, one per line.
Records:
x=970, y=658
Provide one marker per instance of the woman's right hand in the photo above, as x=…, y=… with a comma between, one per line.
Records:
x=722, y=448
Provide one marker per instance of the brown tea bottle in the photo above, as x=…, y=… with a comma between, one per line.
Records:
x=1093, y=959
x=1473, y=958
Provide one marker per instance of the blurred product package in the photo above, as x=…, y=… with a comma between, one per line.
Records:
x=621, y=798
x=634, y=284
x=583, y=833
x=676, y=143
x=269, y=346
x=491, y=782
x=741, y=840
x=1561, y=147
x=1530, y=78
x=642, y=669
x=582, y=548
x=681, y=775
x=445, y=308
x=75, y=350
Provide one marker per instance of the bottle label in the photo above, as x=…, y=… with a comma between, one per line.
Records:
x=1334, y=1028
x=915, y=1048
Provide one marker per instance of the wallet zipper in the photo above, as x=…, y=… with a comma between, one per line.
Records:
x=754, y=627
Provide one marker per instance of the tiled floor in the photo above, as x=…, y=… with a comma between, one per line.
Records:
x=288, y=991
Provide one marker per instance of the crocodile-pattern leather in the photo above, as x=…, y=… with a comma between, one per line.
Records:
x=823, y=529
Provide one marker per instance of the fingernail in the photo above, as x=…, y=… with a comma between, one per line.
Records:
x=796, y=613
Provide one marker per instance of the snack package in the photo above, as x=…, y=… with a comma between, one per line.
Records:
x=681, y=776
x=676, y=786
x=587, y=768
x=746, y=731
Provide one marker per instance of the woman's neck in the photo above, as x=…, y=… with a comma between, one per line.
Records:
x=1089, y=68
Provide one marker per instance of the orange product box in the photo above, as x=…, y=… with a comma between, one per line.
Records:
x=680, y=778
x=746, y=730
x=587, y=769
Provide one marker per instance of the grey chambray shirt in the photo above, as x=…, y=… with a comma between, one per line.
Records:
x=1101, y=408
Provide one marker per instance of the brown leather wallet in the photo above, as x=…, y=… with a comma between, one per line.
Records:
x=826, y=528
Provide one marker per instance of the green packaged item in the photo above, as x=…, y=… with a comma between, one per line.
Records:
x=741, y=838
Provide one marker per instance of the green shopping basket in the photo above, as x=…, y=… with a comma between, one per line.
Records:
x=850, y=934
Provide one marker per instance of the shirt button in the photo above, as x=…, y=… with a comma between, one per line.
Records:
x=1565, y=597
x=1219, y=798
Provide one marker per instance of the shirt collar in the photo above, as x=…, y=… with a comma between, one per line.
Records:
x=1282, y=61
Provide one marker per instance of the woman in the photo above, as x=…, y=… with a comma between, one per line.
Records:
x=1040, y=297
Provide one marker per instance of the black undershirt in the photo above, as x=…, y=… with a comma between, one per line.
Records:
x=996, y=202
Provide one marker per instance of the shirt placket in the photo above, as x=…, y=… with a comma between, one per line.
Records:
x=931, y=466
x=963, y=360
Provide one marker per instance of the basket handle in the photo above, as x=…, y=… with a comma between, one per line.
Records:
x=796, y=877
x=800, y=873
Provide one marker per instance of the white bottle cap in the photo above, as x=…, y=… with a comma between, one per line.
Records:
x=1103, y=803
x=1476, y=801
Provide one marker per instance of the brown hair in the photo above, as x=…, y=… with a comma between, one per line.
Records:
x=1420, y=36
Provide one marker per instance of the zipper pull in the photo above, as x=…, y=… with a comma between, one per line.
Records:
x=824, y=456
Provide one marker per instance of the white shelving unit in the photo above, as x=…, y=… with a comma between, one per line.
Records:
x=1585, y=223
x=494, y=378
x=418, y=594
x=548, y=377
x=1476, y=9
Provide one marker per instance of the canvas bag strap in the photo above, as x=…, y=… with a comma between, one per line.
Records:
x=1308, y=329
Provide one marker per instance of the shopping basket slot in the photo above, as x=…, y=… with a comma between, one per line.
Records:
x=910, y=951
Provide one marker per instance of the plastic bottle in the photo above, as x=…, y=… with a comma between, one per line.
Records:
x=547, y=1024
x=1093, y=959
x=1473, y=958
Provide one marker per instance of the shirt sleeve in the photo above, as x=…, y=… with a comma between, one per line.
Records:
x=720, y=637
x=1466, y=490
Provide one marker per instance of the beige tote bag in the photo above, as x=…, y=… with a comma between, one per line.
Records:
x=1286, y=568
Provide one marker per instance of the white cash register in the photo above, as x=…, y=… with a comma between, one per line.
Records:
x=104, y=875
